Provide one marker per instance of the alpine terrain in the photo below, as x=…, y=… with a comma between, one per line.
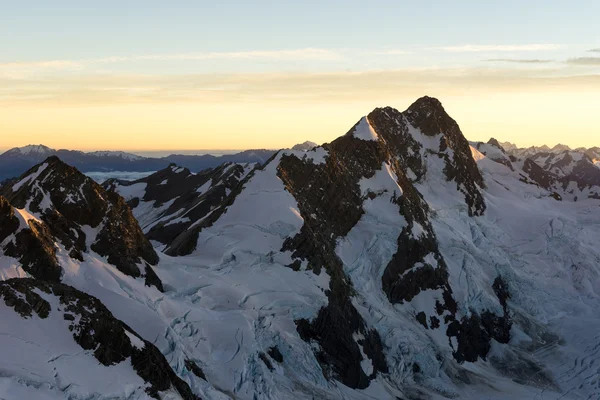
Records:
x=19, y=159
x=399, y=261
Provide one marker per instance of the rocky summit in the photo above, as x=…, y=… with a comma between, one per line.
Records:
x=66, y=215
x=399, y=261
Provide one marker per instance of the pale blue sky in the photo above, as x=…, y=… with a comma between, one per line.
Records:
x=94, y=71
x=75, y=30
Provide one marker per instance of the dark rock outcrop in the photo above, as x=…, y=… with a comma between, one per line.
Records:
x=275, y=354
x=181, y=200
x=330, y=193
x=95, y=329
x=34, y=248
x=496, y=144
x=33, y=245
x=66, y=201
x=538, y=175
x=9, y=223
x=429, y=117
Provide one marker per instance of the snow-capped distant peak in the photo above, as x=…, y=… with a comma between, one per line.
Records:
x=306, y=146
x=508, y=146
x=120, y=154
x=559, y=148
x=32, y=149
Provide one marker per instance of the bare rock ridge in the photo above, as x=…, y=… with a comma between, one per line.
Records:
x=59, y=204
x=429, y=117
x=174, y=200
x=329, y=196
x=397, y=138
x=563, y=170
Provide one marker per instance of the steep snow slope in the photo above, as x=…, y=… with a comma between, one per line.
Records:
x=58, y=342
x=545, y=251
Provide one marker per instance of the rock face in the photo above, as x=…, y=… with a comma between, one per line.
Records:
x=94, y=329
x=538, y=175
x=174, y=200
x=59, y=205
x=567, y=172
x=427, y=130
x=330, y=194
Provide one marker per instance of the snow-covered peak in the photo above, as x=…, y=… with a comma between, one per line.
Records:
x=306, y=146
x=80, y=215
x=120, y=154
x=524, y=152
x=508, y=146
x=32, y=149
x=559, y=148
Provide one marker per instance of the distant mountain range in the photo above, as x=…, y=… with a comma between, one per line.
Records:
x=19, y=159
x=593, y=152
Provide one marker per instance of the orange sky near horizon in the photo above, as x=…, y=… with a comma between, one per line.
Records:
x=144, y=75
x=535, y=117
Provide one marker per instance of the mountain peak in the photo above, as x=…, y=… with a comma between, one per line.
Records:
x=426, y=105
x=508, y=146
x=496, y=143
x=71, y=206
x=31, y=149
x=559, y=148
x=306, y=146
x=427, y=101
x=120, y=154
x=428, y=115
x=425, y=128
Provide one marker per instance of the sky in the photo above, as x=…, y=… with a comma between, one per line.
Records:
x=157, y=75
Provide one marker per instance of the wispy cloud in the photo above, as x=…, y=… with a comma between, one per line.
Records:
x=519, y=60
x=584, y=61
x=371, y=86
x=391, y=52
x=594, y=50
x=471, y=48
x=277, y=55
x=20, y=70
x=51, y=64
